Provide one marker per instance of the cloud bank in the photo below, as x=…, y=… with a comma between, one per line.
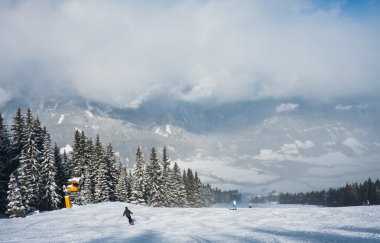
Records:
x=350, y=107
x=286, y=107
x=124, y=52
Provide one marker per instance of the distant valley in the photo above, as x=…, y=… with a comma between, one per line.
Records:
x=258, y=147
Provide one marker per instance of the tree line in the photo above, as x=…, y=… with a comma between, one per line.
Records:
x=33, y=173
x=351, y=195
x=228, y=196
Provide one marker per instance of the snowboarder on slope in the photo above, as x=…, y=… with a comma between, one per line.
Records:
x=234, y=205
x=127, y=213
x=250, y=205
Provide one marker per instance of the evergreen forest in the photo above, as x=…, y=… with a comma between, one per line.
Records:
x=33, y=173
x=353, y=194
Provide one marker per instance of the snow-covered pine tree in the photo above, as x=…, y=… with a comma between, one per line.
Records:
x=77, y=158
x=190, y=188
x=86, y=194
x=90, y=165
x=121, y=190
x=83, y=147
x=154, y=181
x=61, y=178
x=165, y=161
x=113, y=171
x=39, y=137
x=5, y=153
x=28, y=171
x=102, y=179
x=185, y=184
x=50, y=191
x=198, y=191
x=179, y=192
x=15, y=206
x=167, y=186
x=17, y=144
x=18, y=139
x=138, y=181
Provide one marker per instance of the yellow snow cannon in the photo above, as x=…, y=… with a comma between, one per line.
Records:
x=74, y=185
x=72, y=192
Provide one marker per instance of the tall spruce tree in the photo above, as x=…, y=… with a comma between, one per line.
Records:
x=86, y=193
x=61, y=177
x=39, y=136
x=18, y=139
x=190, y=188
x=179, y=194
x=198, y=191
x=138, y=184
x=121, y=190
x=113, y=173
x=154, y=181
x=5, y=153
x=50, y=191
x=90, y=168
x=167, y=186
x=29, y=168
x=102, y=179
x=78, y=159
x=185, y=184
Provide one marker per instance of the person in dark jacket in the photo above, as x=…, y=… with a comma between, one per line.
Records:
x=127, y=213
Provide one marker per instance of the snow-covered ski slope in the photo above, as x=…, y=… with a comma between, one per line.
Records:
x=263, y=223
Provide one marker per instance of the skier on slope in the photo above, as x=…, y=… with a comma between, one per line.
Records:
x=127, y=213
x=234, y=205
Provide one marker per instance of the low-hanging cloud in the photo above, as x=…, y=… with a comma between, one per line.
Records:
x=124, y=52
x=4, y=96
x=286, y=107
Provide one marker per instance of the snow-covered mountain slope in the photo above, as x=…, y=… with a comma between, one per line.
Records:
x=252, y=146
x=262, y=223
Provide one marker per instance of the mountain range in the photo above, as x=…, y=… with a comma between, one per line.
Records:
x=257, y=146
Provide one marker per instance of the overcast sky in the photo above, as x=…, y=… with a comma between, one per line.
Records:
x=124, y=52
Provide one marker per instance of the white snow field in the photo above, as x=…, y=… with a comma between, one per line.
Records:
x=262, y=223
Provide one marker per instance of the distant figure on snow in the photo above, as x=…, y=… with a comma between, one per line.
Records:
x=127, y=213
x=250, y=205
x=234, y=205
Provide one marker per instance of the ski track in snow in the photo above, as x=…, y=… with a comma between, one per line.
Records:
x=263, y=223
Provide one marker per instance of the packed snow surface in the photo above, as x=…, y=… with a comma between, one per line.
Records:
x=262, y=223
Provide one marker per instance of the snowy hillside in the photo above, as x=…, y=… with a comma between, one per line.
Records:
x=263, y=223
x=256, y=147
